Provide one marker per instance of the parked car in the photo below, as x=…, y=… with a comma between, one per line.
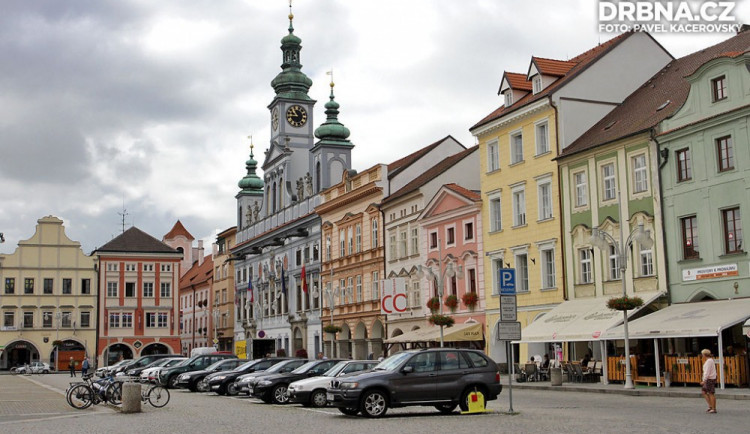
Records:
x=33, y=368
x=195, y=380
x=244, y=382
x=273, y=388
x=168, y=376
x=312, y=391
x=106, y=370
x=151, y=373
x=439, y=377
x=223, y=382
x=134, y=369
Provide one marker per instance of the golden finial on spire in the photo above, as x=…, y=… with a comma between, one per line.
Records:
x=251, y=143
x=331, y=74
x=291, y=15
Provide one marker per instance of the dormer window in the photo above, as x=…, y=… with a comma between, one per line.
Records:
x=508, y=98
x=719, y=88
x=537, y=84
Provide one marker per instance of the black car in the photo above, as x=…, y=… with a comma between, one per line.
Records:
x=168, y=376
x=223, y=382
x=439, y=377
x=273, y=388
x=135, y=368
x=244, y=382
x=193, y=380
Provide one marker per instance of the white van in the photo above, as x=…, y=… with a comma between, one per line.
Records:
x=202, y=350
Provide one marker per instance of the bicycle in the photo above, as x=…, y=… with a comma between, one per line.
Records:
x=156, y=395
x=82, y=395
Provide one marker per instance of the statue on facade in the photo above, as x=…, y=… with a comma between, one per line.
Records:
x=249, y=216
x=300, y=189
x=256, y=212
x=308, y=184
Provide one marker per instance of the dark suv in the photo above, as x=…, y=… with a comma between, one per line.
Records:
x=168, y=376
x=439, y=377
x=273, y=388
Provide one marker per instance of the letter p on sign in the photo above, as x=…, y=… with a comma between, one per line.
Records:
x=507, y=281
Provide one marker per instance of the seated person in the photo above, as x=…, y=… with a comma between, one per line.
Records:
x=531, y=360
x=545, y=362
x=585, y=361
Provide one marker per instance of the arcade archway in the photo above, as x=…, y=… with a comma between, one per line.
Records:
x=117, y=352
x=19, y=353
x=155, y=348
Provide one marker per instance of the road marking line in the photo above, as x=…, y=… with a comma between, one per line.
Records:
x=51, y=418
x=54, y=389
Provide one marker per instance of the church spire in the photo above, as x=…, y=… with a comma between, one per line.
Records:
x=332, y=132
x=291, y=82
x=251, y=183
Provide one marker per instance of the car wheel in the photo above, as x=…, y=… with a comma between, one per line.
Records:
x=172, y=382
x=45, y=371
x=232, y=390
x=222, y=390
x=349, y=411
x=318, y=398
x=374, y=404
x=464, y=402
x=446, y=408
x=202, y=386
x=280, y=394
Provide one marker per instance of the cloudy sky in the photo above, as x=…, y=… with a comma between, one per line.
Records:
x=149, y=103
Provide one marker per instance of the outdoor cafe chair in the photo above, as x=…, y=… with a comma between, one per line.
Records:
x=531, y=372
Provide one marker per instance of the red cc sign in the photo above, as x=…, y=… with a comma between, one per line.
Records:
x=393, y=296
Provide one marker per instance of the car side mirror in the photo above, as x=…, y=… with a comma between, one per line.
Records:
x=408, y=369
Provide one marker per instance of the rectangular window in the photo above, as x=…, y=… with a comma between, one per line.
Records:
x=519, y=208
x=9, y=319
x=472, y=280
x=358, y=237
x=328, y=247
x=402, y=244
x=496, y=218
x=647, y=262
x=112, y=289
x=316, y=252
x=148, y=267
x=584, y=256
x=151, y=319
x=522, y=273
x=10, y=285
x=127, y=320
x=719, y=88
x=374, y=240
x=545, y=200
x=582, y=193
x=689, y=227
x=493, y=157
x=166, y=290
x=375, y=286
x=640, y=174
x=166, y=267
x=48, y=284
x=497, y=265
x=342, y=243
x=47, y=319
x=416, y=294
x=85, y=286
x=162, y=320
x=516, y=148
x=129, y=289
x=548, y=268
x=148, y=289
x=614, y=267
x=725, y=153
x=85, y=319
x=433, y=240
x=684, y=165
x=609, y=190
x=67, y=286
x=28, y=320
x=359, y=289
x=469, y=231
x=28, y=285
x=732, y=230
x=414, y=241
x=508, y=98
x=542, y=139
x=350, y=289
x=112, y=266
x=537, y=84
x=350, y=240
x=451, y=235
x=65, y=320
x=298, y=257
x=393, y=248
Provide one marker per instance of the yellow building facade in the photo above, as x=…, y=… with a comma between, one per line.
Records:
x=519, y=186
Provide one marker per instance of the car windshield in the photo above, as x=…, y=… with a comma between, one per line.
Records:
x=215, y=366
x=335, y=369
x=277, y=367
x=246, y=365
x=176, y=362
x=392, y=362
x=302, y=369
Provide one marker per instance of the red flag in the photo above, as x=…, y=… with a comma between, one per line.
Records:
x=304, y=279
x=250, y=291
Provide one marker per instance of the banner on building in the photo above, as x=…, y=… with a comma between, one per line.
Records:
x=393, y=297
x=712, y=272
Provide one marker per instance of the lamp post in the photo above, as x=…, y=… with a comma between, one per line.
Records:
x=603, y=240
x=440, y=276
x=331, y=293
x=58, y=319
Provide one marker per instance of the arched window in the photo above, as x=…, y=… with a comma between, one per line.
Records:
x=317, y=177
x=273, y=194
x=281, y=193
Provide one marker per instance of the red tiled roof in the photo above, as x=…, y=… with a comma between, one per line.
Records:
x=135, y=240
x=402, y=163
x=198, y=274
x=582, y=61
x=430, y=174
x=640, y=111
x=556, y=68
x=469, y=194
x=177, y=230
x=517, y=81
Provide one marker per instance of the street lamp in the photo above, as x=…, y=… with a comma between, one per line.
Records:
x=331, y=293
x=440, y=276
x=603, y=240
x=58, y=319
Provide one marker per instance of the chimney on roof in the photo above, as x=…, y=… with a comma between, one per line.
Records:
x=743, y=28
x=198, y=252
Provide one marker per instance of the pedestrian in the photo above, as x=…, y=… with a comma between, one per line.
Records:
x=72, y=367
x=708, y=385
x=85, y=366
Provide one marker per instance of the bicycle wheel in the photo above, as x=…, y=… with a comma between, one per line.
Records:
x=113, y=394
x=158, y=396
x=80, y=397
x=14, y=371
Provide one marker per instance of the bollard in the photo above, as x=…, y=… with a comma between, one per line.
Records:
x=555, y=376
x=131, y=397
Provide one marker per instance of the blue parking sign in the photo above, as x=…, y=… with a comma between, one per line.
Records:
x=507, y=281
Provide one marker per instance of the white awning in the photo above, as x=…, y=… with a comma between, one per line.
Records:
x=706, y=318
x=470, y=331
x=584, y=319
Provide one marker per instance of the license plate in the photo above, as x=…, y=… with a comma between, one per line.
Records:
x=329, y=396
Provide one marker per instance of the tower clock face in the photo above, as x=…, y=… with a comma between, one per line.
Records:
x=296, y=116
x=275, y=118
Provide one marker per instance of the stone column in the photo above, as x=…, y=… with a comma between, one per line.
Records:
x=131, y=397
